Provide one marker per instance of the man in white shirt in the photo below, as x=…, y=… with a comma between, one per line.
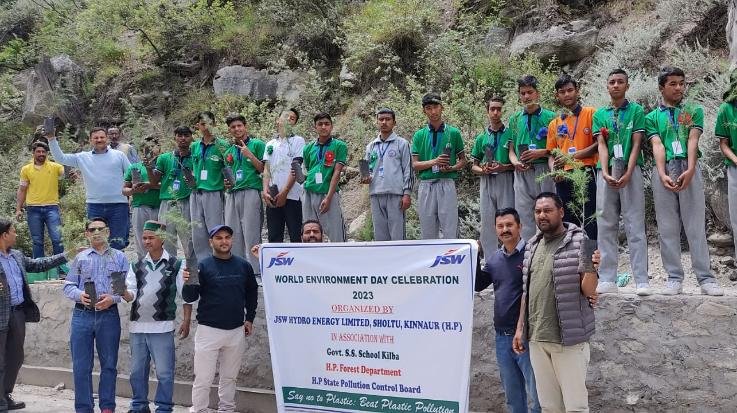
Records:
x=286, y=207
x=153, y=285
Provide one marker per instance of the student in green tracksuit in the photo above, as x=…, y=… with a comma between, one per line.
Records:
x=174, y=172
x=674, y=129
x=619, y=128
x=726, y=131
x=528, y=153
x=437, y=156
x=324, y=159
x=490, y=155
x=243, y=208
x=206, y=201
x=145, y=201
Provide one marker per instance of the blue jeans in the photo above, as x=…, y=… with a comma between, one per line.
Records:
x=516, y=373
x=48, y=215
x=90, y=330
x=158, y=347
x=117, y=217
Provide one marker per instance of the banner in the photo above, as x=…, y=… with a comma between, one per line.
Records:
x=370, y=327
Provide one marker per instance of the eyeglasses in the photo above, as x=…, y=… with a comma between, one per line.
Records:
x=96, y=229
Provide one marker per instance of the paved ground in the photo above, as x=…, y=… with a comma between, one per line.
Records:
x=46, y=399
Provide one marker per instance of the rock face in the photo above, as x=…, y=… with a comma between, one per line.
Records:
x=257, y=84
x=653, y=354
x=568, y=43
x=54, y=87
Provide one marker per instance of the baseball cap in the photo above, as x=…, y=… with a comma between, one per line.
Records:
x=214, y=230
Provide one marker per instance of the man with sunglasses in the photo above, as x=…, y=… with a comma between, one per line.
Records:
x=95, y=319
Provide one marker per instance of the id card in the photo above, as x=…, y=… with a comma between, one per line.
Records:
x=318, y=178
x=203, y=175
x=435, y=169
x=618, y=151
x=175, y=185
x=381, y=171
x=677, y=147
x=239, y=175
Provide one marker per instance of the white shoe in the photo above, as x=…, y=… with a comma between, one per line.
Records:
x=711, y=289
x=643, y=289
x=606, y=287
x=673, y=288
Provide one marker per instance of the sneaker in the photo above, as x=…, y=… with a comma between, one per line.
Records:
x=711, y=289
x=606, y=287
x=14, y=405
x=673, y=288
x=643, y=289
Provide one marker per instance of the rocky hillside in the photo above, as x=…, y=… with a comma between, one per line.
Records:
x=150, y=65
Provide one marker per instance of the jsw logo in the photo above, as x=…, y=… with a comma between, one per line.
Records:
x=448, y=258
x=281, y=259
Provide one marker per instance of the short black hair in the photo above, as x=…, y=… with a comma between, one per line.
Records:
x=322, y=115
x=667, y=71
x=311, y=221
x=563, y=80
x=206, y=116
x=386, y=111
x=619, y=71
x=507, y=211
x=5, y=225
x=98, y=129
x=431, y=99
x=494, y=98
x=39, y=144
x=527, y=80
x=296, y=114
x=552, y=195
x=95, y=219
x=235, y=117
x=183, y=130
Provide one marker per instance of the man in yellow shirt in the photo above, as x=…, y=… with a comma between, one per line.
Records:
x=39, y=191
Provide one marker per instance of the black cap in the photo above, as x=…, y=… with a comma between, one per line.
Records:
x=214, y=230
x=431, y=99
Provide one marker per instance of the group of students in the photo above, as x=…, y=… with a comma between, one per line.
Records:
x=221, y=185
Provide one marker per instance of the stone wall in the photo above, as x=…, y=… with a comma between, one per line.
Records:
x=653, y=354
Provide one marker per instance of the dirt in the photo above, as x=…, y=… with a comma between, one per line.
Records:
x=47, y=399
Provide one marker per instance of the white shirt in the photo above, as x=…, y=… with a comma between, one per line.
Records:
x=279, y=162
x=147, y=295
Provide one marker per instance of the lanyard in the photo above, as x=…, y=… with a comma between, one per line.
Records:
x=203, y=148
x=672, y=116
x=238, y=151
x=575, y=129
x=494, y=142
x=320, y=152
x=383, y=146
x=532, y=125
x=437, y=137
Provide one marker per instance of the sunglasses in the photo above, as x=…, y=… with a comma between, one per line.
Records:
x=94, y=230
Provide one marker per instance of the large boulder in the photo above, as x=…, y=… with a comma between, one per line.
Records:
x=497, y=38
x=568, y=43
x=257, y=84
x=54, y=87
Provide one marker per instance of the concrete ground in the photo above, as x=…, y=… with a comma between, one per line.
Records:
x=47, y=399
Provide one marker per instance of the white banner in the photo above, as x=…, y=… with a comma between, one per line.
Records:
x=370, y=327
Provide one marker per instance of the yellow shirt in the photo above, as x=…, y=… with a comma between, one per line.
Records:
x=42, y=182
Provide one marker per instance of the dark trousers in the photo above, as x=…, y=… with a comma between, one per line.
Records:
x=565, y=192
x=291, y=216
x=11, y=353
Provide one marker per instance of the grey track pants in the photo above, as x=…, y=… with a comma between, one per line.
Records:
x=526, y=188
x=177, y=217
x=686, y=207
x=331, y=221
x=244, y=213
x=630, y=203
x=495, y=192
x=206, y=208
x=387, y=217
x=141, y=214
x=438, y=208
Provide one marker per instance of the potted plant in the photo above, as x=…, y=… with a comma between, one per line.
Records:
x=580, y=179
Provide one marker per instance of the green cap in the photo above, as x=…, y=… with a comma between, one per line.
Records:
x=153, y=226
